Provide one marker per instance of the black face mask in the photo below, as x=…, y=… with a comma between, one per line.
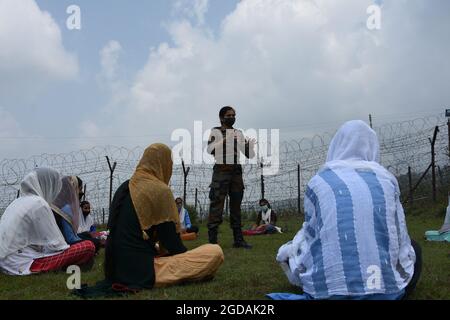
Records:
x=229, y=121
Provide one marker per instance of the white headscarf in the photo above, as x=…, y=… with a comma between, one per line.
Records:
x=266, y=216
x=182, y=214
x=446, y=226
x=355, y=145
x=29, y=220
x=85, y=222
x=355, y=140
x=68, y=199
x=42, y=182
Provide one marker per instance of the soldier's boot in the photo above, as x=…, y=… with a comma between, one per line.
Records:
x=239, y=241
x=212, y=235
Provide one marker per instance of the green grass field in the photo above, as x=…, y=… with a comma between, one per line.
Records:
x=245, y=274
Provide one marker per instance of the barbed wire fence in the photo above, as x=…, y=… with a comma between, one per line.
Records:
x=405, y=151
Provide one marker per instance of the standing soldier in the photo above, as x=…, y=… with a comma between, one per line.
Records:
x=226, y=144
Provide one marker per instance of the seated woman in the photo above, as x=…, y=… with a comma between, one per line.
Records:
x=188, y=231
x=87, y=229
x=354, y=243
x=265, y=221
x=86, y=222
x=31, y=241
x=66, y=209
x=143, y=213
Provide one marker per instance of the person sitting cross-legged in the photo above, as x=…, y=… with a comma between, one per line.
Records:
x=354, y=243
x=188, y=231
x=30, y=240
x=144, y=225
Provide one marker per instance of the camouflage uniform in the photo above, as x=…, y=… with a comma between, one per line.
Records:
x=226, y=180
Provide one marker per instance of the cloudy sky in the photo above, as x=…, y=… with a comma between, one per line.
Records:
x=136, y=71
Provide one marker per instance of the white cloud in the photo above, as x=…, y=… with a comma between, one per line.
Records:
x=89, y=129
x=109, y=57
x=32, y=53
x=293, y=62
x=193, y=9
x=9, y=127
x=110, y=77
x=9, y=131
